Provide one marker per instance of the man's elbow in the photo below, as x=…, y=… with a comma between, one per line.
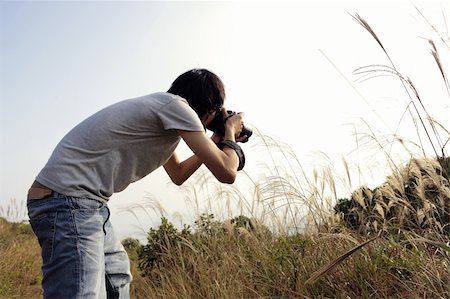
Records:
x=227, y=178
x=177, y=181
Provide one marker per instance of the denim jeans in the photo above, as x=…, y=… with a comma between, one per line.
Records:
x=82, y=258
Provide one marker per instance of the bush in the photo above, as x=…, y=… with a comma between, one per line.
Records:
x=159, y=242
x=416, y=198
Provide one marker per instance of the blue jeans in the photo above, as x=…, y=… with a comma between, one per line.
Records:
x=82, y=258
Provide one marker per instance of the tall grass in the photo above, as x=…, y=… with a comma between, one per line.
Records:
x=392, y=241
x=14, y=211
x=408, y=257
x=20, y=261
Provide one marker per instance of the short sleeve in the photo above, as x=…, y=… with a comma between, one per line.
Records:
x=178, y=115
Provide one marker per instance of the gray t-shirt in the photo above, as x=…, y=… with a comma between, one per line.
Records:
x=118, y=145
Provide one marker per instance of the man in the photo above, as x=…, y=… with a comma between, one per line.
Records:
x=67, y=204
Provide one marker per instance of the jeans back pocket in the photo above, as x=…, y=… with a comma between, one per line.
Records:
x=43, y=227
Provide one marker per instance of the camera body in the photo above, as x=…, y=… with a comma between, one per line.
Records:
x=217, y=125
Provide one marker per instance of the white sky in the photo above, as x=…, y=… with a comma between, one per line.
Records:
x=63, y=61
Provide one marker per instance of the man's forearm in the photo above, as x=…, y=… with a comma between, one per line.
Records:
x=187, y=168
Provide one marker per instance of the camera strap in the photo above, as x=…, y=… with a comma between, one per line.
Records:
x=237, y=149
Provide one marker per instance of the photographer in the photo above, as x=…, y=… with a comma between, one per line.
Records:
x=67, y=203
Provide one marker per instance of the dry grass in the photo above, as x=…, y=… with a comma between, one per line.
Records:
x=20, y=262
x=409, y=214
x=330, y=260
x=242, y=266
x=14, y=211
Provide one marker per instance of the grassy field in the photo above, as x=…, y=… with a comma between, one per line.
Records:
x=241, y=258
x=20, y=261
x=392, y=241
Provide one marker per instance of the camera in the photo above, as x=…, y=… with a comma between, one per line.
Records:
x=217, y=125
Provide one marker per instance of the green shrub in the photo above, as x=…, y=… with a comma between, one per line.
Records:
x=159, y=241
x=416, y=198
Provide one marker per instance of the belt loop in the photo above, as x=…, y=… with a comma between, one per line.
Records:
x=107, y=218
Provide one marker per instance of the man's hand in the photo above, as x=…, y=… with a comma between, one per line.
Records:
x=233, y=126
x=217, y=138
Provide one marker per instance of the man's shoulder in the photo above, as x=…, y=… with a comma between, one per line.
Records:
x=169, y=97
x=158, y=98
x=164, y=95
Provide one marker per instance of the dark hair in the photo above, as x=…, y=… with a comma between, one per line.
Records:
x=203, y=90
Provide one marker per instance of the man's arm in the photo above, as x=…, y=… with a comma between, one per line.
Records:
x=222, y=163
x=178, y=171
